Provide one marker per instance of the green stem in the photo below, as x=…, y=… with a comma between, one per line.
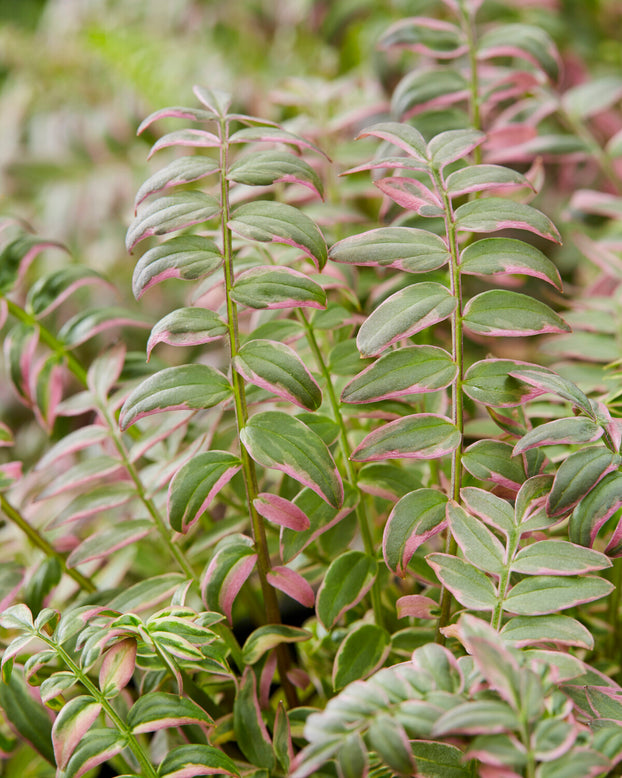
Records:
x=504, y=581
x=457, y=399
x=264, y=566
x=468, y=26
x=148, y=770
x=361, y=515
x=40, y=542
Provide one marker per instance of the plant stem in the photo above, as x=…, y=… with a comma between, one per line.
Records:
x=457, y=399
x=40, y=542
x=504, y=581
x=264, y=566
x=148, y=770
x=361, y=515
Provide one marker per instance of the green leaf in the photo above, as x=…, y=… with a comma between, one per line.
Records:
x=420, y=90
x=415, y=518
x=277, y=368
x=352, y=758
x=510, y=314
x=387, y=480
x=543, y=594
x=387, y=737
x=492, y=460
x=250, y=731
x=470, y=586
x=401, y=248
x=490, y=214
x=196, y=484
x=477, y=717
x=277, y=287
x=405, y=371
x=574, y=429
x=88, y=323
x=265, y=638
x=274, y=439
x=404, y=313
x=451, y=145
x=27, y=716
x=267, y=167
x=233, y=561
x=194, y=760
x=595, y=508
x=50, y=290
x=490, y=508
x=525, y=41
x=171, y=213
x=348, y=578
x=186, y=387
x=547, y=381
x=97, y=746
x=476, y=178
x=578, y=475
x=428, y=36
x=402, y=135
x=420, y=436
x=145, y=593
x=552, y=628
x=490, y=382
x=499, y=256
x=361, y=653
x=180, y=171
x=558, y=557
x=478, y=544
x=160, y=710
x=187, y=257
x=576, y=763
x=273, y=222
x=592, y=96
x=439, y=760
x=187, y=327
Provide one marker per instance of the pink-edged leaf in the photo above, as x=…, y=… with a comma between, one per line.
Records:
x=104, y=543
x=510, y=314
x=250, y=731
x=20, y=345
x=100, y=498
x=500, y=256
x=578, y=475
x=11, y=578
x=190, y=761
x=180, y=171
x=540, y=594
x=363, y=651
x=477, y=717
x=405, y=137
x=16, y=257
x=404, y=313
x=593, y=96
x=117, y=667
x=546, y=380
x=575, y=429
x=105, y=370
x=275, y=439
x=269, y=287
x=523, y=41
x=10, y=472
x=195, y=485
x=415, y=518
x=176, y=112
x=418, y=606
x=389, y=163
x=170, y=213
x=406, y=371
x=186, y=138
x=491, y=382
x=272, y=135
x=268, y=167
x=229, y=568
x=492, y=460
x=185, y=387
x=265, y=638
x=478, y=544
x=187, y=327
x=280, y=511
x=97, y=746
x=552, y=628
x=411, y=194
x=347, y=580
x=159, y=710
x=51, y=290
x=451, y=145
x=187, y=257
x=71, y=725
x=93, y=469
x=558, y=557
x=428, y=90
x=217, y=100
x=491, y=214
x=277, y=368
x=418, y=436
x=478, y=178
x=489, y=508
x=470, y=586
x=75, y=441
x=425, y=35
x=292, y=584
x=273, y=222
x=600, y=203
x=595, y=508
x=402, y=248
x=87, y=324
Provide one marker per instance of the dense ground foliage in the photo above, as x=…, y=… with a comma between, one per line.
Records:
x=312, y=421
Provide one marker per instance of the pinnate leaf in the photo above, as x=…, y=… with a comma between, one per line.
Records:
x=595, y=508
x=510, y=314
x=478, y=544
x=404, y=136
x=267, y=167
x=541, y=594
x=492, y=460
x=186, y=387
x=403, y=314
x=348, y=579
x=574, y=429
x=477, y=178
x=578, y=475
x=187, y=327
x=179, y=171
x=402, y=248
x=498, y=256
x=275, y=439
x=269, y=287
x=451, y=145
x=494, y=213
x=470, y=586
x=558, y=557
x=491, y=382
x=552, y=628
x=160, y=710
